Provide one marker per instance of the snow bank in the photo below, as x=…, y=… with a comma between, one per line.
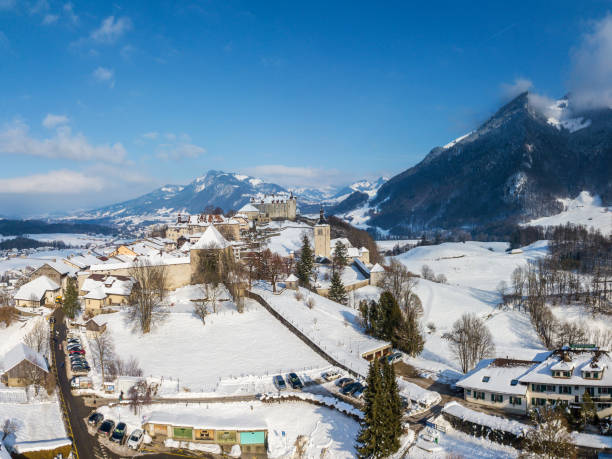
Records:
x=494, y=422
x=417, y=394
x=331, y=402
x=591, y=441
x=42, y=445
x=207, y=448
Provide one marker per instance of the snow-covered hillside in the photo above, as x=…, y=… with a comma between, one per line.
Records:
x=583, y=210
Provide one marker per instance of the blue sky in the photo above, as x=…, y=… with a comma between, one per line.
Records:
x=102, y=101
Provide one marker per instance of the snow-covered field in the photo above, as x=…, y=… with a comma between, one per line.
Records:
x=244, y=346
x=473, y=270
x=390, y=244
x=73, y=239
x=36, y=421
x=14, y=333
x=329, y=433
x=333, y=327
x=290, y=238
x=583, y=210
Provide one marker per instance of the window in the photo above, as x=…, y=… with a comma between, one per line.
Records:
x=587, y=374
x=469, y=392
x=516, y=400
x=514, y=382
x=497, y=398
x=565, y=389
x=567, y=374
x=596, y=375
x=550, y=388
x=485, y=379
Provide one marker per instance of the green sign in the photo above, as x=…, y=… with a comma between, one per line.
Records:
x=252, y=438
x=183, y=432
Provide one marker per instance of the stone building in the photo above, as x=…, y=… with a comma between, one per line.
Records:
x=187, y=225
x=275, y=207
x=322, y=234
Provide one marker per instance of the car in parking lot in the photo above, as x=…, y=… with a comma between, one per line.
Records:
x=331, y=375
x=295, y=381
x=394, y=358
x=358, y=394
x=279, y=382
x=95, y=418
x=106, y=428
x=119, y=433
x=344, y=381
x=76, y=351
x=350, y=388
x=135, y=439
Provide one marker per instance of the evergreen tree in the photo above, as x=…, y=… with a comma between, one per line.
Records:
x=337, y=292
x=392, y=408
x=389, y=316
x=407, y=334
x=71, y=299
x=306, y=263
x=371, y=436
x=340, y=257
x=588, y=412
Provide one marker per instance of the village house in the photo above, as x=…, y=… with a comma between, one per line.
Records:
x=187, y=225
x=496, y=385
x=563, y=378
x=58, y=271
x=99, y=290
x=249, y=211
x=41, y=291
x=21, y=366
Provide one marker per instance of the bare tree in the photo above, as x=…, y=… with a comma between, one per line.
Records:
x=550, y=437
x=37, y=338
x=129, y=367
x=398, y=280
x=427, y=273
x=140, y=394
x=147, y=294
x=470, y=341
x=518, y=285
x=103, y=351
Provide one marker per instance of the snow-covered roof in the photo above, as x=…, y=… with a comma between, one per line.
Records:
x=96, y=294
x=495, y=422
x=217, y=421
x=211, y=238
x=18, y=354
x=41, y=445
x=83, y=261
x=36, y=289
x=344, y=241
x=363, y=249
x=164, y=259
x=248, y=208
x=500, y=376
x=580, y=361
x=291, y=278
x=61, y=267
x=377, y=269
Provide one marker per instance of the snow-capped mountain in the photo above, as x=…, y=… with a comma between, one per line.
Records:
x=513, y=168
x=217, y=189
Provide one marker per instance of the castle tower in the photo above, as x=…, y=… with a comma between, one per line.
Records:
x=322, y=237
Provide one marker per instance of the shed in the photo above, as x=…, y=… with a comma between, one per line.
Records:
x=291, y=282
x=22, y=366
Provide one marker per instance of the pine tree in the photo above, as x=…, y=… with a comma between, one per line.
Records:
x=588, y=412
x=389, y=316
x=71, y=299
x=393, y=409
x=306, y=263
x=371, y=436
x=340, y=257
x=337, y=292
x=407, y=334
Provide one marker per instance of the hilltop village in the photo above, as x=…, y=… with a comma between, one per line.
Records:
x=181, y=339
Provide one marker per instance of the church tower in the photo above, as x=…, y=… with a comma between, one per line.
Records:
x=322, y=237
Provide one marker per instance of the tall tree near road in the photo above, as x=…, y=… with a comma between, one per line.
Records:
x=305, y=265
x=470, y=341
x=71, y=299
x=103, y=350
x=147, y=294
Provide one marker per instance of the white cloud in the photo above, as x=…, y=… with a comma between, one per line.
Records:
x=590, y=82
x=105, y=75
x=39, y=6
x=518, y=86
x=295, y=175
x=180, y=151
x=69, y=11
x=15, y=139
x=150, y=135
x=53, y=182
x=51, y=121
x=50, y=19
x=111, y=29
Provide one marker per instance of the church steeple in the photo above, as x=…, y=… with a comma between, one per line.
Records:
x=322, y=220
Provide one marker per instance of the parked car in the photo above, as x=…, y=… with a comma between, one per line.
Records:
x=73, y=346
x=279, y=382
x=74, y=341
x=358, y=394
x=95, y=418
x=356, y=388
x=344, y=381
x=119, y=433
x=394, y=358
x=77, y=351
x=295, y=381
x=135, y=439
x=331, y=375
x=350, y=388
x=106, y=428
